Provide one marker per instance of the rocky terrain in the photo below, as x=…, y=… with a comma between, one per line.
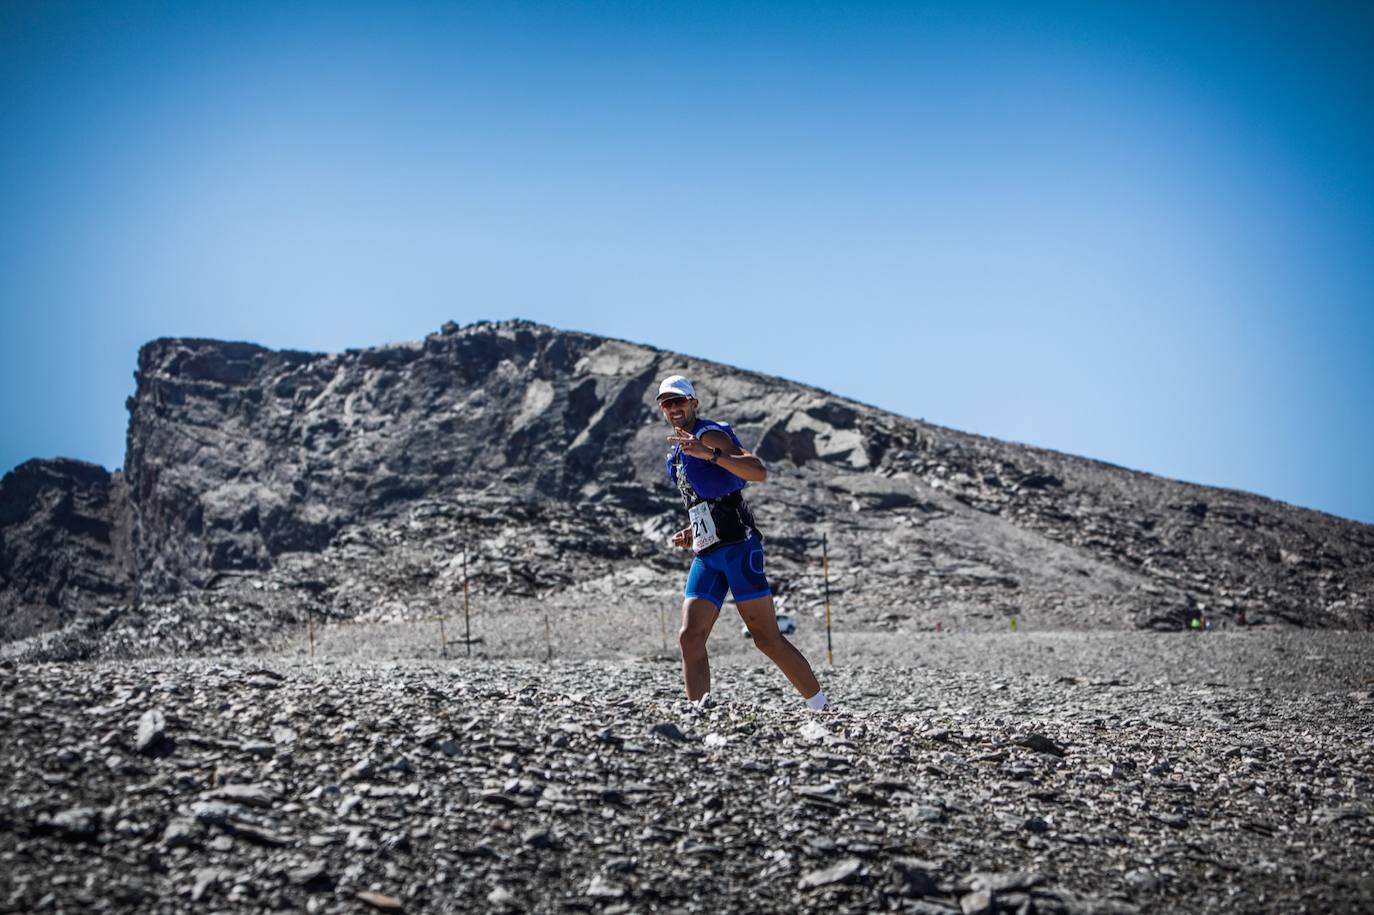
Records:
x=393, y=630
x=261, y=488
x=345, y=784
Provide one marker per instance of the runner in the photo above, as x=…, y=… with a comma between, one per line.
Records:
x=710, y=468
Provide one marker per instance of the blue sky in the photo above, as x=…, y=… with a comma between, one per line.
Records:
x=1135, y=232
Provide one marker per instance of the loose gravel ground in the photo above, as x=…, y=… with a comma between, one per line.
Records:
x=1069, y=772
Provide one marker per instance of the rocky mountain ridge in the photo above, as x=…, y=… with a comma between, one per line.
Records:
x=285, y=483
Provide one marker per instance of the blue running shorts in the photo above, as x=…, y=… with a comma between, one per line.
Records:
x=736, y=567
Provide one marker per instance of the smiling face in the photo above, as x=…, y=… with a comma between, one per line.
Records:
x=679, y=411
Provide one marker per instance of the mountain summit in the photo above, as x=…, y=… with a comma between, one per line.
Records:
x=279, y=483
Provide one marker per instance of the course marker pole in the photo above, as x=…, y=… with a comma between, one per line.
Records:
x=310, y=615
x=467, y=618
x=825, y=573
x=443, y=642
x=548, y=636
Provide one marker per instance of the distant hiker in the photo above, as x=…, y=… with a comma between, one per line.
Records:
x=710, y=468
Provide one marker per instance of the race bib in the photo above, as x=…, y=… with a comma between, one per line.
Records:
x=703, y=527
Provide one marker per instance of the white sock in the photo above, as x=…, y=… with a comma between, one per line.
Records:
x=817, y=702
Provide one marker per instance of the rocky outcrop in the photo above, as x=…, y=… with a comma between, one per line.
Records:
x=238, y=454
x=63, y=544
x=540, y=451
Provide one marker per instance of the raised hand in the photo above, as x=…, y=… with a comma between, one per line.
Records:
x=690, y=444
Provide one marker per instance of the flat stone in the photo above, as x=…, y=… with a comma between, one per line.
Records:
x=829, y=791
x=381, y=901
x=74, y=823
x=924, y=907
x=501, y=898
x=538, y=838
x=1041, y=744
x=836, y=873
x=979, y=902
x=1003, y=882
x=314, y=874
x=152, y=732
x=206, y=879
x=180, y=832
x=601, y=888
x=261, y=835
x=211, y=812
x=363, y=768
x=250, y=795
x=923, y=813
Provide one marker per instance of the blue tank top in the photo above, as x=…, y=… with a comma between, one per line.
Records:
x=711, y=481
x=705, y=481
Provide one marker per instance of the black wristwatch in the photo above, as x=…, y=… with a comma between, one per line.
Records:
x=715, y=455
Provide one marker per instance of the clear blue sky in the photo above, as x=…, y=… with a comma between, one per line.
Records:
x=1138, y=232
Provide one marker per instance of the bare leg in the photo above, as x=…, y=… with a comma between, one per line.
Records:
x=762, y=621
x=698, y=616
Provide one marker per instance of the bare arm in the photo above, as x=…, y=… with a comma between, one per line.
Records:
x=743, y=464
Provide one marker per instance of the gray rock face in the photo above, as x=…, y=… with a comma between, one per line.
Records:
x=283, y=483
x=63, y=532
x=238, y=454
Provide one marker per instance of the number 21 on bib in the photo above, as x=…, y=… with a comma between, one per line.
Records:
x=703, y=527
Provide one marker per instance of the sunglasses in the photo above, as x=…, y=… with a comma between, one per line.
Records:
x=672, y=402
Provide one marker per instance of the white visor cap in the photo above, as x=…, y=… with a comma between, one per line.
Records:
x=676, y=385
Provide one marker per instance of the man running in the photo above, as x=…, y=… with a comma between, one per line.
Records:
x=710, y=468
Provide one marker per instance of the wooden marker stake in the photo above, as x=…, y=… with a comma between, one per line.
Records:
x=467, y=618
x=548, y=637
x=825, y=573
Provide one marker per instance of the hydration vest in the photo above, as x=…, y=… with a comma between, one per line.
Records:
x=704, y=481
